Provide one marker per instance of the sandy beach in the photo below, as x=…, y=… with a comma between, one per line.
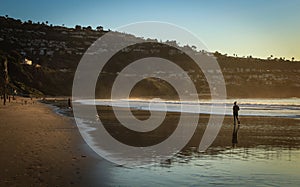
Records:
x=41, y=148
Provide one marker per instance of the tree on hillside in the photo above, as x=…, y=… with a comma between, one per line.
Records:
x=217, y=53
x=77, y=27
x=270, y=57
x=293, y=58
x=99, y=28
x=194, y=47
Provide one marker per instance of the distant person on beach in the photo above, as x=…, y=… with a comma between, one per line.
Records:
x=236, y=109
x=69, y=103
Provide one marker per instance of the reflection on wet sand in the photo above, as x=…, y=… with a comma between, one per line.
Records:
x=235, y=135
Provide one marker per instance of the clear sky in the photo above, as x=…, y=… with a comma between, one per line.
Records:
x=254, y=27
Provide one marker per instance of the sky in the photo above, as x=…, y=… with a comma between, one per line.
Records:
x=254, y=27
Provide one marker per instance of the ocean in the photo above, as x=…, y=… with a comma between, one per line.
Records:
x=289, y=107
x=268, y=152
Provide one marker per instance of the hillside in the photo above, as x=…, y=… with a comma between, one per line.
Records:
x=42, y=60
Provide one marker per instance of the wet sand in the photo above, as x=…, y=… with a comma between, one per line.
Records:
x=253, y=131
x=41, y=148
x=262, y=131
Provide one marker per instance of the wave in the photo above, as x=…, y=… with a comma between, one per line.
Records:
x=248, y=107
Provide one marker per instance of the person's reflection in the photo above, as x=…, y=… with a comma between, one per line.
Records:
x=235, y=135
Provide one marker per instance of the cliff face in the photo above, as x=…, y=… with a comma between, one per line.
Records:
x=42, y=59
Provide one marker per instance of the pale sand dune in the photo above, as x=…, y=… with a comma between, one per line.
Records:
x=40, y=148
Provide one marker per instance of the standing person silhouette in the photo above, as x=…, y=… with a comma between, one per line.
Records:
x=236, y=109
x=69, y=103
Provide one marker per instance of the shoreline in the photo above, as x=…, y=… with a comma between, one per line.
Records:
x=250, y=107
x=252, y=127
x=42, y=148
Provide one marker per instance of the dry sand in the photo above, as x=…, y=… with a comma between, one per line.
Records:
x=41, y=148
